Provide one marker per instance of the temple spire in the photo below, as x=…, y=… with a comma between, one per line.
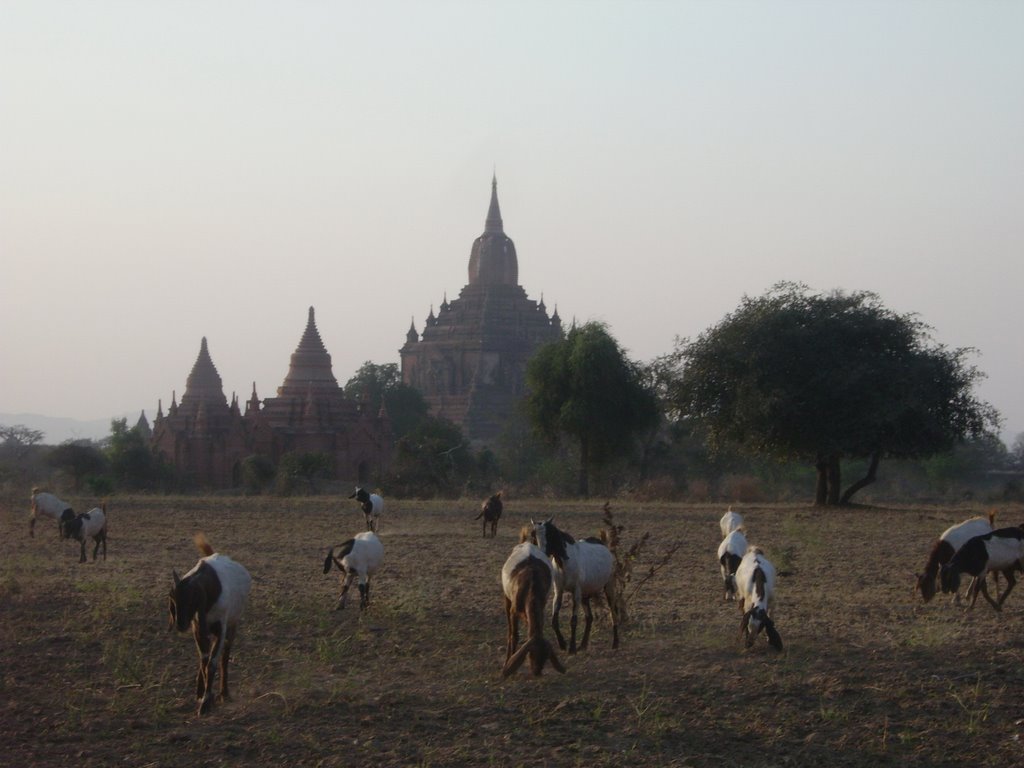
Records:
x=494, y=223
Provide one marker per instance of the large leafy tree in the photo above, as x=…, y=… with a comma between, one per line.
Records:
x=374, y=385
x=827, y=377
x=79, y=459
x=17, y=440
x=584, y=388
x=433, y=459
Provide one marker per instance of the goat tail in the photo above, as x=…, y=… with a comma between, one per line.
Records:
x=203, y=544
x=515, y=661
x=539, y=650
x=480, y=515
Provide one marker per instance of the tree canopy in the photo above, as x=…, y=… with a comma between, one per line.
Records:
x=375, y=384
x=822, y=377
x=584, y=387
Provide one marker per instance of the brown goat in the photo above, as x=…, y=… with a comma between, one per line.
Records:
x=490, y=511
x=526, y=580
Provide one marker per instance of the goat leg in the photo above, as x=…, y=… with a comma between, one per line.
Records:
x=572, y=626
x=588, y=614
x=1011, y=582
x=984, y=590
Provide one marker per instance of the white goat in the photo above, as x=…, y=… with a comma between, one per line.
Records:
x=755, y=580
x=582, y=568
x=730, y=554
x=211, y=597
x=1001, y=550
x=47, y=505
x=731, y=521
x=91, y=524
x=372, y=505
x=359, y=557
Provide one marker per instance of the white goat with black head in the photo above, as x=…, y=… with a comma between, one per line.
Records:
x=358, y=558
x=584, y=569
x=88, y=525
x=730, y=554
x=372, y=505
x=47, y=505
x=949, y=541
x=1001, y=550
x=211, y=598
x=755, y=581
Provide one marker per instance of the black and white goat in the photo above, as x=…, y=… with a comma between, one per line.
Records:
x=730, y=554
x=526, y=581
x=946, y=546
x=1001, y=550
x=731, y=521
x=584, y=569
x=211, y=598
x=88, y=525
x=755, y=581
x=490, y=511
x=371, y=504
x=47, y=505
x=357, y=558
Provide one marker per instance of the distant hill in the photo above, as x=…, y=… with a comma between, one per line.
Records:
x=58, y=429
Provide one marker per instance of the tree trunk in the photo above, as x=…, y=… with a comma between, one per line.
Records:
x=821, y=489
x=833, y=480
x=584, y=483
x=868, y=479
x=826, y=492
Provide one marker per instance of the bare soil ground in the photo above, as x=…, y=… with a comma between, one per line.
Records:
x=870, y=676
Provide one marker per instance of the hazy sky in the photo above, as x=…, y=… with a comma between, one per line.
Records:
x=170, y=171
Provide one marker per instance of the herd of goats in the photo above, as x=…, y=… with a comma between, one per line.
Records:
x=548, y=562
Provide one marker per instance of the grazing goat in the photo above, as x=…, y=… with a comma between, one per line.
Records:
x=582, y=568
x=48, y=505
x=211, y=597
x=360, y=558
x=1000, y=550
x=730, y=553
x=755, y=580
x=946, y=546
x=526, y=581
x=91, y=524
x=731, y=521
x=491, y=512
x=371, y=504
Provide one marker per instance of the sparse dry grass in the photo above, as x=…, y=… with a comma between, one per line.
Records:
x=870, y=675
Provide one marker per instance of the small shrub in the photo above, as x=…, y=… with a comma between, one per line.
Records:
x=742, y=488
x=698, y=490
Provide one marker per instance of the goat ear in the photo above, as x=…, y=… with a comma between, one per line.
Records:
x=328, y=561
x=774, y=638
x=177, y=581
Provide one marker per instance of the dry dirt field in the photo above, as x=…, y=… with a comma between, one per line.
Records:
x=870, y=675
